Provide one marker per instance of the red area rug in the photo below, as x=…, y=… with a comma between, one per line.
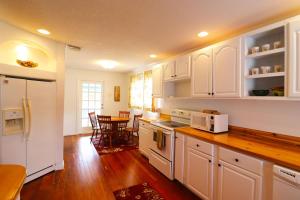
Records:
x=142, y=191
x=117, y=146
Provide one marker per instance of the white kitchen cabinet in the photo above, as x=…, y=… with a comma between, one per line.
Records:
x=178, y=69
x=227, y=68
x=179, y=157
x=294, y=58
x=202, y=73
x=183, y=67
x=237, y=183
x=157, y=81
x=239, y=176
x=199, y=173
x=145, y=138
x=169, y=71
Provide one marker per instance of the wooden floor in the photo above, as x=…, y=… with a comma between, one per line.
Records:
x=89, y=176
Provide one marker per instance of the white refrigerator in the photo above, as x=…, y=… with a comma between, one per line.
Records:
x=28, y=132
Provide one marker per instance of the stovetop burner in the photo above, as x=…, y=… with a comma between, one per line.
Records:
x=171, y=124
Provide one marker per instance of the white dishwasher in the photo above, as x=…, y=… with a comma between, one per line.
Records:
x=286, y=184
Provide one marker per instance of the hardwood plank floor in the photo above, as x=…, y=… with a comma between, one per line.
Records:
x=89, y=176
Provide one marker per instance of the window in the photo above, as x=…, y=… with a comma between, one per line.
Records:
x=91, y=100
x=141, y=91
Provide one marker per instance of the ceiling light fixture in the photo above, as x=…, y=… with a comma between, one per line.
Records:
x=202, y=34
x=43, y=31
x=108, y=64
x=152, y=55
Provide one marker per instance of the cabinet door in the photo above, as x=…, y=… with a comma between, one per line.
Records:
x=157, y=89
x=169, y=71
x=179, y=157
x=182, y=67
x=237, y=183
x=202, y=73
x=199, y=173
x=294, y=59
x=226, y=68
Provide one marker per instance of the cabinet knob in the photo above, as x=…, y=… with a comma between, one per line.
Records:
x=219, y=165
x=209, y=161
x=197, y=145
x=213, y=93
x=175, y=75
x=236, y=160
x=209, y=93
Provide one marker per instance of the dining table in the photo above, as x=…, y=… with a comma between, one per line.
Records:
x=115, y=120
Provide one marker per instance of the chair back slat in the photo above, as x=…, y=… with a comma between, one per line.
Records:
x=105, y=123
x=124, y=114
x=93, y=119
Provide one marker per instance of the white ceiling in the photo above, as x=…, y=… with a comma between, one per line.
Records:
x=127, y=31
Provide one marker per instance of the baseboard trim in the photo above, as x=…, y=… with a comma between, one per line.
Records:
x=60, y=166
x=39, y=174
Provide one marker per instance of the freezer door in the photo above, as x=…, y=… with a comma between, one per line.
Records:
x=12, y=147
x=42, y=137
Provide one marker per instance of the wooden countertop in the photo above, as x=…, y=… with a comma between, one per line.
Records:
x=12, y=178
x=280, y=153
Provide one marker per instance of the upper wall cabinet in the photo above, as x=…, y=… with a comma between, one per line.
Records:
x=294, y=58
x=157, y=85
x=178, y=69
x=169, y=70
x=202, y=73
x=227, y=68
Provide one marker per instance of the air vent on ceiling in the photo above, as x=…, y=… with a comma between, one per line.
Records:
x=73, y=47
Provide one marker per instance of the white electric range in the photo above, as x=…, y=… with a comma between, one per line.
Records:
x=163, y=159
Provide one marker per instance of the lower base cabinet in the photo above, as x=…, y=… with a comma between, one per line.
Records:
x=199, y=173
x=235, y=183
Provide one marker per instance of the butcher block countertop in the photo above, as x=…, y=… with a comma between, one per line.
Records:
x=12, y=178
x=280, y=149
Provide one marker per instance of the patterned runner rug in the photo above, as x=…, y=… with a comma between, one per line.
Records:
x=142, y=191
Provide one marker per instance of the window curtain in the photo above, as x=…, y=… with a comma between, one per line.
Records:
x=136, y=91
x=148, y=91
x=140, y=94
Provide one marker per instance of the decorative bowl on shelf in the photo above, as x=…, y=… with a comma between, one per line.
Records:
x=278, y=91
x=260, y=92
x=27, y=63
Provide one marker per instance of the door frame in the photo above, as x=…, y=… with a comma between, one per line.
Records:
x=79, y=128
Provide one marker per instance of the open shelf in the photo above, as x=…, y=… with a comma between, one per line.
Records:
x=268, y=75
x=271, y=58
x=266, y=53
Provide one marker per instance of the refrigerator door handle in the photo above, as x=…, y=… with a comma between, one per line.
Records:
x=29, y=118
x=25, y=122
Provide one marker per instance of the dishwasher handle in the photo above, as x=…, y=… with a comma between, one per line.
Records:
x=291, y=175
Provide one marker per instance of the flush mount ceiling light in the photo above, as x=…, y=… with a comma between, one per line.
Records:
x=152, y=55
x=43, y=31
x=202, y=34
x=108, y=64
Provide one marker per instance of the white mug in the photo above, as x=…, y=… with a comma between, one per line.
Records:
x=265, y=69
x=278, y=68
x=266, y=47
x=255, y=49
x=277, y=44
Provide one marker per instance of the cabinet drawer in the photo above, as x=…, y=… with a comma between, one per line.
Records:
x=200, y=145
x=144, y=124
x=241, y=160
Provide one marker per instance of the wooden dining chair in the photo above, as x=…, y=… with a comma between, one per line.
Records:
x=124, y=114
x=135, y=127
x=95, y=127
x=123, y=125
x=106, y=131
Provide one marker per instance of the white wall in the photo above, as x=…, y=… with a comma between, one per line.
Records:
x=110, y=79
x=275, y=116
x=49, y=54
